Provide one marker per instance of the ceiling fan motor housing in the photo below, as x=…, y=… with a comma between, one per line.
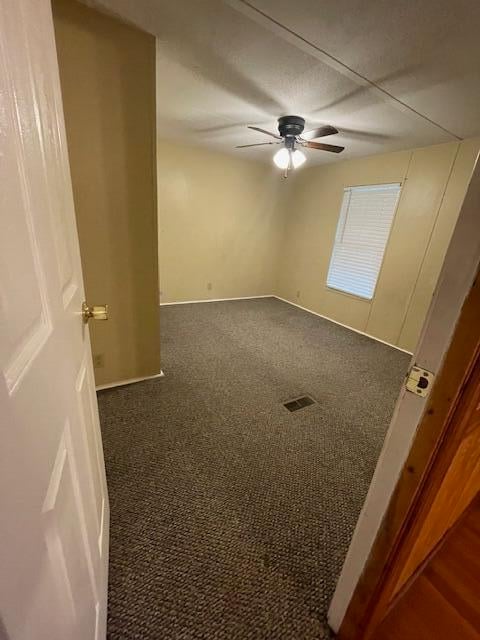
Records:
x=291, y=126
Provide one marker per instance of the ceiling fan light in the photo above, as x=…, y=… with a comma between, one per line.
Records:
x=298, y=158
x=282, y=158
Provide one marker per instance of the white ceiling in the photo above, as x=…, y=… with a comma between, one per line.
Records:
x=388, y=74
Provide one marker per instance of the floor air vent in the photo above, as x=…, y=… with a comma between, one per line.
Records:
x=299, y=403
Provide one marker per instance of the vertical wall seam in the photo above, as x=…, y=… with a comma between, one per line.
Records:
x=427, y=246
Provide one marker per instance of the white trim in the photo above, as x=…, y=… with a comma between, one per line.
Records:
x=362, y=333
x=121, y=383
x=168, y=304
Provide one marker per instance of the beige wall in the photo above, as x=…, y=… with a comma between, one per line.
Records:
x=236, y=225
x=107, y=74
x=220, y=224
x=434, y=183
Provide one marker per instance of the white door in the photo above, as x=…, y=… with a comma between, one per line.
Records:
x=54, y=510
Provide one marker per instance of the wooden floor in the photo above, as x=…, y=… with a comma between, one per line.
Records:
x=442, y=602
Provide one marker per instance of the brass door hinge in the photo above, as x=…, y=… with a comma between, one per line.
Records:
x=419, y=381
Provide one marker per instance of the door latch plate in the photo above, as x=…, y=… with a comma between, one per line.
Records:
x=419, y=381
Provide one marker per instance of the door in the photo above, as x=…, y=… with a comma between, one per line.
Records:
x=452, y=482
x=428, y=583
x=435, y=557
x=53, y=500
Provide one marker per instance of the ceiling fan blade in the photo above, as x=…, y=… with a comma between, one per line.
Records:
x=319, y=132
x=324, y=147
x=258, y=144
x=274, y=135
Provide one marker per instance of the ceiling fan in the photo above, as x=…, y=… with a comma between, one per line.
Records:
x=290, y=136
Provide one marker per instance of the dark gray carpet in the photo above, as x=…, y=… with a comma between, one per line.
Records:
x=230, y=516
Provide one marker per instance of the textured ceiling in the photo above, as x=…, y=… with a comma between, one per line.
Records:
x=389, y=75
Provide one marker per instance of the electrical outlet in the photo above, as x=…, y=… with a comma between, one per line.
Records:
x=98, y=360
x=209, y=286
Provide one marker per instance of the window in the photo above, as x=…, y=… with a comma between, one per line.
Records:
x=363, y=228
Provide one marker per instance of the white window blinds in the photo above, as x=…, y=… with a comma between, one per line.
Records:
x=363, y=228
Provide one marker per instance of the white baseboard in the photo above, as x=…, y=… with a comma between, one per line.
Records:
x=168, y=304
x=362, y=333
x=121, y=383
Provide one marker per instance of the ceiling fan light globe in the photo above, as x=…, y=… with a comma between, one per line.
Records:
x=282, y=158
x=298, y=158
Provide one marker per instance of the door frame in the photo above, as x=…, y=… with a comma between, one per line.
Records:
x=434, y=445
x=418, y=430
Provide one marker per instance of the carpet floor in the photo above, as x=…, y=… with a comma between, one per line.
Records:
x=231, y=516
